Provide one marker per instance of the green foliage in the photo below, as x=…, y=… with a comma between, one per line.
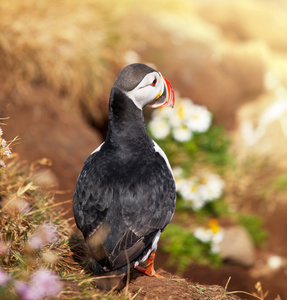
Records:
x=215, y=145
x=253, y=225
x=214, y=209
x=280, y=183
x=211, y=147
x=185, y=249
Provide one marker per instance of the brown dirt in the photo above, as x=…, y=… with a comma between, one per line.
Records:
x=47, y=127
x=174, y=287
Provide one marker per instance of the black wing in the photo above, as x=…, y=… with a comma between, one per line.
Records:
x=148, y=203
x=91, y=197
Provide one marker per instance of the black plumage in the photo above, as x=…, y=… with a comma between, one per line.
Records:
x=125, y=193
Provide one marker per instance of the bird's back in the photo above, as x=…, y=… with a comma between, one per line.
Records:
x=118, y=194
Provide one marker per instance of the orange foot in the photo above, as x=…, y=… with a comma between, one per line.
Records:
x=150, y=271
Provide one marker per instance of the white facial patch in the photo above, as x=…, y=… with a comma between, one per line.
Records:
x=147, y=90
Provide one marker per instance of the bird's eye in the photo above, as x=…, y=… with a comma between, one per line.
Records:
x=154, y=82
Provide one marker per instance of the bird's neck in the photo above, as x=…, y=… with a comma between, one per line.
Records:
x=126, y=121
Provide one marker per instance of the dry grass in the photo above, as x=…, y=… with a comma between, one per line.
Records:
x=258, y=294
x=256, y=182
x=75, y=48
x=24, y=208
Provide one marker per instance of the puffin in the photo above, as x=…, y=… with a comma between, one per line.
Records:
x=125, y=194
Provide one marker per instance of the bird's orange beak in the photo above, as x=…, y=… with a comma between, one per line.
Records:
x=166, y=96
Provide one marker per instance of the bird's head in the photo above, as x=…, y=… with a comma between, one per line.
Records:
x=145, y=86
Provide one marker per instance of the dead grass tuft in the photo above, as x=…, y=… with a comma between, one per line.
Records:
x=24, y=210
x=75, y=48
x=258, y=294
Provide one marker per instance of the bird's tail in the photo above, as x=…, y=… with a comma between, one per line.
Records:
x=108, y=280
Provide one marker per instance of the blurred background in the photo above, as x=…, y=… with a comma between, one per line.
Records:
x=59, y=60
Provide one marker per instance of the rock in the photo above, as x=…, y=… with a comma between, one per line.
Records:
x=237, y=246
x=262, y=127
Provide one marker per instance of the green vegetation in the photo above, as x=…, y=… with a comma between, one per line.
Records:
x=211, y=147
x=186, y=249
x=254, y=226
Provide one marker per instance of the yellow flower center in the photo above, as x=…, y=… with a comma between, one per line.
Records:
x=181, y=113
x=214, y=226
x=193, y=188
x=203, y=180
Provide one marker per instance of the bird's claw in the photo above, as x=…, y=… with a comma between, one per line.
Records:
x=149, y=271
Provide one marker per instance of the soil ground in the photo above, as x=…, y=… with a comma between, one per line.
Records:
x=174, y=287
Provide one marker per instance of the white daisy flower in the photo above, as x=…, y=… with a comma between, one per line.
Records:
x=179, y=183
x=1, y=131
x=182, y=134
x=177, y=172
x=213, y=234
x=203, y=234
x=181, y=113
x=215, y=248
x=200, y=119
x=188, y=189
x=162, y=113
x=197, y=203
x=216, y=241
x=217, y=237
x=160, y=128
x=211, y=187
